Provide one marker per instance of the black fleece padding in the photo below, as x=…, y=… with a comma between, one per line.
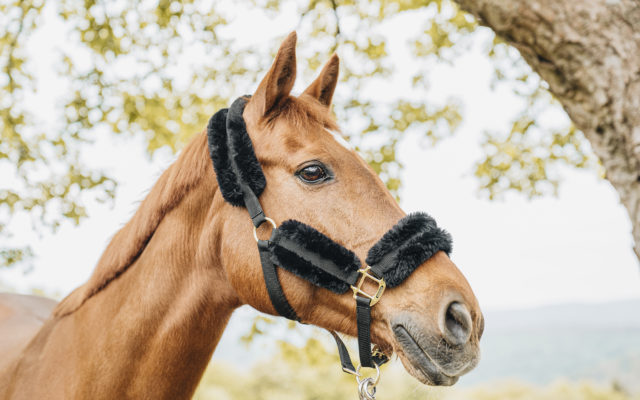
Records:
x=219, y=152
x=412, y=241
x=232, y=153
x=311, y=255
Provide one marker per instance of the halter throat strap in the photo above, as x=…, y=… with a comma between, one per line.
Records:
x=272, y=282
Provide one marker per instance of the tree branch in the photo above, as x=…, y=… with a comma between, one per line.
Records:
x=589, y=54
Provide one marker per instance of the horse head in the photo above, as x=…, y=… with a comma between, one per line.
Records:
x=431, y=319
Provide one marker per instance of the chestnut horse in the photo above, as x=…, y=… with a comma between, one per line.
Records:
x=146, y=323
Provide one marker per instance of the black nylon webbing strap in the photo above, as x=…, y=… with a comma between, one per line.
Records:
x=256, y=213
x=385, y=264
x=253, y=206
x=274, y=288
x=363, y=317
x=345, y=359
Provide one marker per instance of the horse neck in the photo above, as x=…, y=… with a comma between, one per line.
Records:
x=170, y=308
x=158, y=322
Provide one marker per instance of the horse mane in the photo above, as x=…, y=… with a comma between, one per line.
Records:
x=130, y=241
x=172, y=186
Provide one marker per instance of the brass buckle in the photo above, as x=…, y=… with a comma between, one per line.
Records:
x=376, y=352
x=357, y=290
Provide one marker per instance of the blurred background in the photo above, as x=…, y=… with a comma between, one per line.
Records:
x=97, y=97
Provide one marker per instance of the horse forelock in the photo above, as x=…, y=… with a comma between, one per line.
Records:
x=303, y=112
x=131, y=240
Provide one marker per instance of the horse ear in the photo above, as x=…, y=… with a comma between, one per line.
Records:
x=277, y=84
x=325, y=84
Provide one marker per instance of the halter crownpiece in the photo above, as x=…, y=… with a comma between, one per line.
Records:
x=232, y=154
x=310, y=254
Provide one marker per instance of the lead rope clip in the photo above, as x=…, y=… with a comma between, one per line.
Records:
x=367, y=390
x=367, y=386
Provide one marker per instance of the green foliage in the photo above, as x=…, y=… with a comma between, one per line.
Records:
x=9, y=256
x=159, y=69
x=48, y=176
x=294, y=373
x=526, y=160
x=257, y=328
x=561, y=390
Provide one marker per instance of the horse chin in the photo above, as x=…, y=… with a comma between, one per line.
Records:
x=421, y=364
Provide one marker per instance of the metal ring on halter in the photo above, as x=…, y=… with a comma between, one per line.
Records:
x=255, y=228
x=375, y=381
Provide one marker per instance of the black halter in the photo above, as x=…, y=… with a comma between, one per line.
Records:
x=308, y=253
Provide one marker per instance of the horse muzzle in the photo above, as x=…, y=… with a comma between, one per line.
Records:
x=440, y=354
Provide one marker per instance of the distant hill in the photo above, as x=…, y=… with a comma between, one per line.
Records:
x=599, y=342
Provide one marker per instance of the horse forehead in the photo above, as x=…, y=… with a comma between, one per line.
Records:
x=295, y=138
x=338, y=138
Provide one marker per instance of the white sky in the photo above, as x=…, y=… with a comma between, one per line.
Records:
x=514, y=252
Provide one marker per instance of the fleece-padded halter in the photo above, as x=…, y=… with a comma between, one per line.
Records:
x=311, y=255
x=306, y=252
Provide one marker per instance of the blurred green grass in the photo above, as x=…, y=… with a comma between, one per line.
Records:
x=273, y=381
x=280, y=379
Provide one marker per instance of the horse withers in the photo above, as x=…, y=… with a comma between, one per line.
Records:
x=146, y=323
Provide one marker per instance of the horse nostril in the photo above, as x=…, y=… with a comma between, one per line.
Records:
x=457, y=324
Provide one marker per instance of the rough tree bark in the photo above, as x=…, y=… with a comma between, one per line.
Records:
x=588, y=51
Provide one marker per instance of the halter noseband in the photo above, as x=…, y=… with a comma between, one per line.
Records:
x=310, y=254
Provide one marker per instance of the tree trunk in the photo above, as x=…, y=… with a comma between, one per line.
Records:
x=588, y=52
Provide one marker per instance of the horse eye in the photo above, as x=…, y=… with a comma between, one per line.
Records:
x=312, y=174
